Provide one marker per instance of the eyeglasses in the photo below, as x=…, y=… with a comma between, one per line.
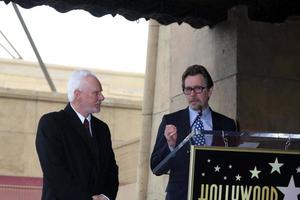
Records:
x=196, y=89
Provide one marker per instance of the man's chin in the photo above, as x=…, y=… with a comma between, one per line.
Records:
x=196, y=106
x=96, y=110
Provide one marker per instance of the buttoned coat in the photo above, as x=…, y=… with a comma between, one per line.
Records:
x=75, y=165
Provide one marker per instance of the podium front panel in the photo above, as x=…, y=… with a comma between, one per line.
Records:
x=219, y=173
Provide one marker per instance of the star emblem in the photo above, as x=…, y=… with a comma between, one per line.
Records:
x=238, y=177
x=276, y=166
x=254, y=173
x=217, y=168
x=298, y=170
x=290, y=192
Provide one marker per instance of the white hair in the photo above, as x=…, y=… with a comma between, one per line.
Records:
x=75, y=82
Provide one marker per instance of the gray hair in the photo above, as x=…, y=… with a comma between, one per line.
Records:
x=75, y=82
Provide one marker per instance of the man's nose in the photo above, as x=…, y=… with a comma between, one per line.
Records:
x=101, y=97
x=193, y=92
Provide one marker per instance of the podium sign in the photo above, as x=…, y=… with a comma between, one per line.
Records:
x=218, y=173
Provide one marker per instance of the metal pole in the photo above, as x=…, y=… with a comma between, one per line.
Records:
x=10, y=44
x=5, y=49
x=44, y=69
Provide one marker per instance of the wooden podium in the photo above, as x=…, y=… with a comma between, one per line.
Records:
x=246, y=166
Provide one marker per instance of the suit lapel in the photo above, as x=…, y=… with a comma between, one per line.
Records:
x=78, y=128
x=183, y=124
x=186, y=122
x=97, y=142
x=215, y=121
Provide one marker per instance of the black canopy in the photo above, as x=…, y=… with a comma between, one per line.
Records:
x=197, y=13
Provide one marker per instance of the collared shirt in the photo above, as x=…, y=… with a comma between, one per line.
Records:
x=82, y=118
x=206, y=119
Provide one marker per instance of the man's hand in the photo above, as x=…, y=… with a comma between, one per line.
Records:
x=171, y=135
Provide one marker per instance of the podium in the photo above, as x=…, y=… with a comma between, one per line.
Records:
x=246, y=165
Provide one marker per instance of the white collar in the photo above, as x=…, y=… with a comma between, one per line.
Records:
x=81, y=117
x=206, y=113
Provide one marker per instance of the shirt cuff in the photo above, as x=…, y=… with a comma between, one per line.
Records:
x=171, y=148
x=104, y=196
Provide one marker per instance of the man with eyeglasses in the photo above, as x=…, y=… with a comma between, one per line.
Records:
x=197, y=86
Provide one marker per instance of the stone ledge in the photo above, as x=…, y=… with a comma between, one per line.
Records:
x=25, y=75
x=62, y=98
x=35, y=65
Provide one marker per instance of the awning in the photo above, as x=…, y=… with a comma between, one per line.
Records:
x=197, y=13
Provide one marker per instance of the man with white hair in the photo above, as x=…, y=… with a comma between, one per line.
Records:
x=74, y=147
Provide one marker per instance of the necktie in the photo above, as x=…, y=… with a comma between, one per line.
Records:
x=199, y=138
x=86, y=125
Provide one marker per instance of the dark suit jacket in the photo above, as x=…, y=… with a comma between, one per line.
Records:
x=178, y=166
x=74, y=164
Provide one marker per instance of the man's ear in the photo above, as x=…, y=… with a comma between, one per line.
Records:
x=210, y=91
x=77, y=93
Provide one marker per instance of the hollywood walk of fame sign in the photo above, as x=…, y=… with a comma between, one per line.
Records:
x=231, y=173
